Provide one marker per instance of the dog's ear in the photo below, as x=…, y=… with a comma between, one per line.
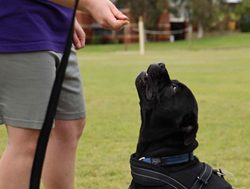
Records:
x=189, y=128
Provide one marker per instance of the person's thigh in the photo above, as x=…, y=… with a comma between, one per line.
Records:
x=71, y=105
x=26, y=80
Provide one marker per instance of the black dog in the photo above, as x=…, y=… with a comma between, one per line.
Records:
x=164, y=156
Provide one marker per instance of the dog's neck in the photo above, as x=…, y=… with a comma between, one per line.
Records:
x=156, y=141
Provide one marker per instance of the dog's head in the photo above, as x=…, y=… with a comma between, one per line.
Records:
x=169, y=114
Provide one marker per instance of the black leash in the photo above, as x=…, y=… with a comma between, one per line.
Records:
x=51, y=110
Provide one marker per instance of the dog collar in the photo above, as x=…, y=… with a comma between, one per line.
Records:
x=169, y=160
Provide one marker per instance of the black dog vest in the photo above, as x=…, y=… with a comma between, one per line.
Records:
x=200, y=176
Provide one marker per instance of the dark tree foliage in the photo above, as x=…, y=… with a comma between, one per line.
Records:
x=243, y=11
x=150, y=10
x=203, y=12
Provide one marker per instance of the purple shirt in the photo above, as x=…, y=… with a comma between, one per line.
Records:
x=33, y=25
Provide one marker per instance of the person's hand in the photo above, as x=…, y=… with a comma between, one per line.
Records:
x=79, y=36
x=105, y=13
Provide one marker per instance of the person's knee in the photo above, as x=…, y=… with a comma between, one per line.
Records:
x=27, y=151
x=80, y=128
x=69, y=131
x=22, y=141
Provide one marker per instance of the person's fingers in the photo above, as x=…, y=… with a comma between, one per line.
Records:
x=118, y=14
x=76, y=41
x=121, y=19
x=79, y=36
x=116, y=20
x=82, y=37
x=79, y=42
x=119, y=24
x=108, y=16
x=114, y=24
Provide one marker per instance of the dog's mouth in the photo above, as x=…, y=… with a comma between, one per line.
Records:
x=148, y=83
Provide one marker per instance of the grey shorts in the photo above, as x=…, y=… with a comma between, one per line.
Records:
x=26, y=80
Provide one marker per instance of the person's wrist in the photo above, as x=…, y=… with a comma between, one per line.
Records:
x=84, y=5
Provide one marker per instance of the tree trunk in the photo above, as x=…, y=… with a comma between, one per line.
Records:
x=200, y=32
x=190, y=32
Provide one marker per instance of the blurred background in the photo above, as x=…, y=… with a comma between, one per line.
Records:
x=170, y=20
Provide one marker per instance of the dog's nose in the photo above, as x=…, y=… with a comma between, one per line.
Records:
x=162, y=66
x=164, y=72
x=158, y=72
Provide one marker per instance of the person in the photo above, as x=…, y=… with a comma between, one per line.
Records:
x=32, y=39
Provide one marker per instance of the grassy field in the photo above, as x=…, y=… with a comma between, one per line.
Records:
x=217, y=69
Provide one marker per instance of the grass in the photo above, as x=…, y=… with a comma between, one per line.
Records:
x=215, y=68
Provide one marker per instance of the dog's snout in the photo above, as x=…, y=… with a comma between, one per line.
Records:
x=144, y=79
x=162, y=66
x=154, y=70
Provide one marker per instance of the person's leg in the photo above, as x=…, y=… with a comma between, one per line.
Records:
x=61, y=153
x=16, y=161
x=26, y=80
x=58, y=172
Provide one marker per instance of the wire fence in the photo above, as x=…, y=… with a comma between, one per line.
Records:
x=158, y=32
x=135, y=29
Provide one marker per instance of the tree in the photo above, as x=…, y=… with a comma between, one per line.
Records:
x=203, y=13
x=150, y=10
x=200, y=13
x=243, y=10
x=180, y=8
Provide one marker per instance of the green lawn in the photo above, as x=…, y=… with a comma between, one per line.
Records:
x=217, y=69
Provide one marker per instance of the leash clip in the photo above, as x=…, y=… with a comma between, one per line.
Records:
x=220, y=173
